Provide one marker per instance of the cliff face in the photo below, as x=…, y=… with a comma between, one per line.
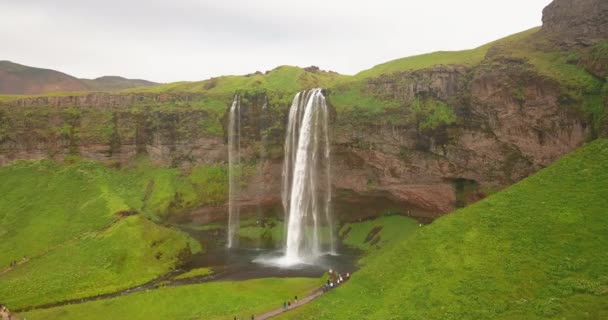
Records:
x=501, y=138
x=443, y=137
x=108, y=128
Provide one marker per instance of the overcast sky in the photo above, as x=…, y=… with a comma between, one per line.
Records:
x=179, y=40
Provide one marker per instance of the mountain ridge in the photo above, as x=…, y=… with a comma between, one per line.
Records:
x=16, y=78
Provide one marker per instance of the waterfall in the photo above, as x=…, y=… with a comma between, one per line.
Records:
x=234, y=159
x=306, y=178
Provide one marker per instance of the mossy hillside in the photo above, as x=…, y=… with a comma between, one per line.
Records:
x=49, y=211
x=195, y=273
x=375, y=234
x=579, y=89
x=599, y=52
x=355, y=106
x=269, y=233
x=532, y=251
x=129, y=253
x=280, y=79
x=210, y=301
x=469, y=58
x=165, y=190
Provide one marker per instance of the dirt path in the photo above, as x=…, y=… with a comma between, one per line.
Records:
x=315, y=294
x=4, y=316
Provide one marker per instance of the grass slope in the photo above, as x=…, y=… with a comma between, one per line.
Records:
x=533, y=251
x=64, y=218
x=217, y=300
x=131, y=252
x=469, y=58
x=378, y=232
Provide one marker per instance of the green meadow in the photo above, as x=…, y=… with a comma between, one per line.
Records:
x=210, y=301
x=535, y=250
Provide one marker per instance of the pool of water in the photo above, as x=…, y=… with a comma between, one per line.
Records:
x=253, y=263
x=245, y=264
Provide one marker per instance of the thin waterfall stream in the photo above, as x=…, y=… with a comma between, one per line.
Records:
x=234, y=159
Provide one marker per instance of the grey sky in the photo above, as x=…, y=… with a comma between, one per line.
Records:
x=196, y=39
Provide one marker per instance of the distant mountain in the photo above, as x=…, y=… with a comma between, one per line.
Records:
x=19, y=79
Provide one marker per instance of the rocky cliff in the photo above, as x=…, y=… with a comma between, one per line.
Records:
x=430, y=139
x=110, y=128
x=576, y=22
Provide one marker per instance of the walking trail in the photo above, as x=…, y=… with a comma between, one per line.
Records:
x=271, y=314
x=4, y=316
x=315, y=294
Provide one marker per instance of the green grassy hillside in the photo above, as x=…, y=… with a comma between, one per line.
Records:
x=377, y=233
x=470, y=57
x=66, y=218
x=210, y=301
x=223, y=300
x=115, y=83
x=533, y=251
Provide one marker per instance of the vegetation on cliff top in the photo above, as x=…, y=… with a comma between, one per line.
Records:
x=469, y=58
x=535, y=250
x=357, y=104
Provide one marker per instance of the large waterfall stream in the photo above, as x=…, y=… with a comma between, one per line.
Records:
x=306, y=189
x=306, y=180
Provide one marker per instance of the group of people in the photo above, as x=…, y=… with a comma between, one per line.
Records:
x=335, y=279
x=287, y=304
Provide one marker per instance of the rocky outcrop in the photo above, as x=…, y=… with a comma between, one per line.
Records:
x=576, y=22
x=442, y=82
